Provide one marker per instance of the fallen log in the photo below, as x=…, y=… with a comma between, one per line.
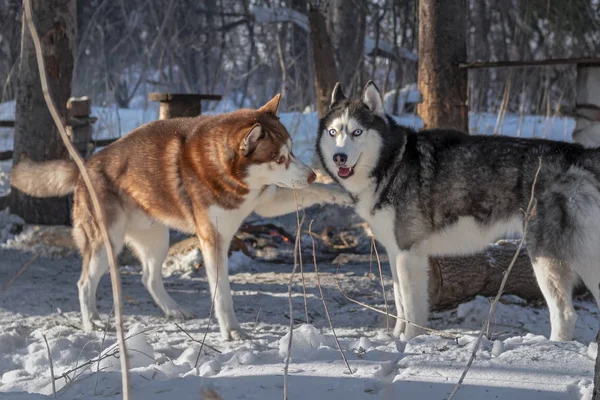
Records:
x=455, y=280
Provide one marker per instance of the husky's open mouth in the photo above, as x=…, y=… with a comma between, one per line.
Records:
x=345, y=172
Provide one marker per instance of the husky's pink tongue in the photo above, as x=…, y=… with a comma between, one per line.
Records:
x=342, y=171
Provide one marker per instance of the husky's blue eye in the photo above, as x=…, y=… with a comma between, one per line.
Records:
x=357, y=132
x=332, y=132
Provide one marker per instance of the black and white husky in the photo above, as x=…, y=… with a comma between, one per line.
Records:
x=443, y=192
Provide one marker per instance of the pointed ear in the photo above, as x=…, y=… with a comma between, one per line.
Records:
x=337, y=94
x=251, y=139
x=272, y=105
x=372, y=98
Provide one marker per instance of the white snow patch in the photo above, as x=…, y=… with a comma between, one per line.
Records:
x=306, y=343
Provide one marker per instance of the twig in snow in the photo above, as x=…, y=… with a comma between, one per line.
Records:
x=440, y=333
x=529, y=213
x=98, y=212
x=323, y=298
x=101, y=350
x=196, y=340
x=19, y=273
x=112, y=351
x=387, y=310
x=289, y=347
x=256, y=320
x=51, y=366
x=299, y=254
x=212, y=304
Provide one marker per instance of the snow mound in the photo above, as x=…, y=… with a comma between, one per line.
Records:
x=306, y=343
x=139, y=352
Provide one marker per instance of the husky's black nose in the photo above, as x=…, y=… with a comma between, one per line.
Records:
x=340, y=158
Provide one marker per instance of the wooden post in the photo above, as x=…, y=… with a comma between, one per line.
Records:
x=587, y=107
x=442, y=46
x=79, y=128
x=174, y=105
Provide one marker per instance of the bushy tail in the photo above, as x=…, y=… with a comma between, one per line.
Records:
x=45, y=179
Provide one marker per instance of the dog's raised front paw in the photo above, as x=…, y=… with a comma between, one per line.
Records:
x=340, y=197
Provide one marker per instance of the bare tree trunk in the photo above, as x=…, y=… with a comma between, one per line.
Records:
x=587, y=109
x=454, y=280
x=299, y=70
x=326, y=75
x=36, y=136
x=442, y=45
x=346, y=23
x=596, y=394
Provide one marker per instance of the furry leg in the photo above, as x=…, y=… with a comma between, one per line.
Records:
x=283, y=201
x=400, y=325
x=217, y=271
x=151, y=246
x=97, y=265
x=413, y=275
x=556, y=283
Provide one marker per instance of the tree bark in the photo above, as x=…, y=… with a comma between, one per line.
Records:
x=36, y=136
x=454, y=280
x=587, y=108
x=325, y=70
x=346, y=23
x=442, y=46
x=596, y=394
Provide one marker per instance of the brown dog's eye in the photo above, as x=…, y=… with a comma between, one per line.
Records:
x=280, y=160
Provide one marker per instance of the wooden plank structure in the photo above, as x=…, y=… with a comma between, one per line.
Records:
x=586, y=111
x=173, y=105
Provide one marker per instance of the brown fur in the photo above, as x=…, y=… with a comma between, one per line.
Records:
x=174, y=172
x=170, y=169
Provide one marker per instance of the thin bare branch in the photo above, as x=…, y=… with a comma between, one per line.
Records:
x=431, y=330
x=529, y=213
x=51, y=366
x=19, y=273
x=99, y=214
x=196, y=340
x=323, y=298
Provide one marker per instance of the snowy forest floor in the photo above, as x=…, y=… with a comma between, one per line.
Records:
x=518, y=363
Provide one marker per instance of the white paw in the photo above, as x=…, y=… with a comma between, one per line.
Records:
x=179, y=313
x=399, y=328
x=234, y=334
x=339, y=196
x=93, y=323
x=412, y=331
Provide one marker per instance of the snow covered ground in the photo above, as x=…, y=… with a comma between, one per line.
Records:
x=518, y=363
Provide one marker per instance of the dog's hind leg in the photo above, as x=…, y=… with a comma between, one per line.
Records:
x=95, y=264
x=151, y=245
x=413, y=277
x=556, y=281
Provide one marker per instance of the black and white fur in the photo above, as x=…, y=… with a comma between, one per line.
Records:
x=443, y=192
